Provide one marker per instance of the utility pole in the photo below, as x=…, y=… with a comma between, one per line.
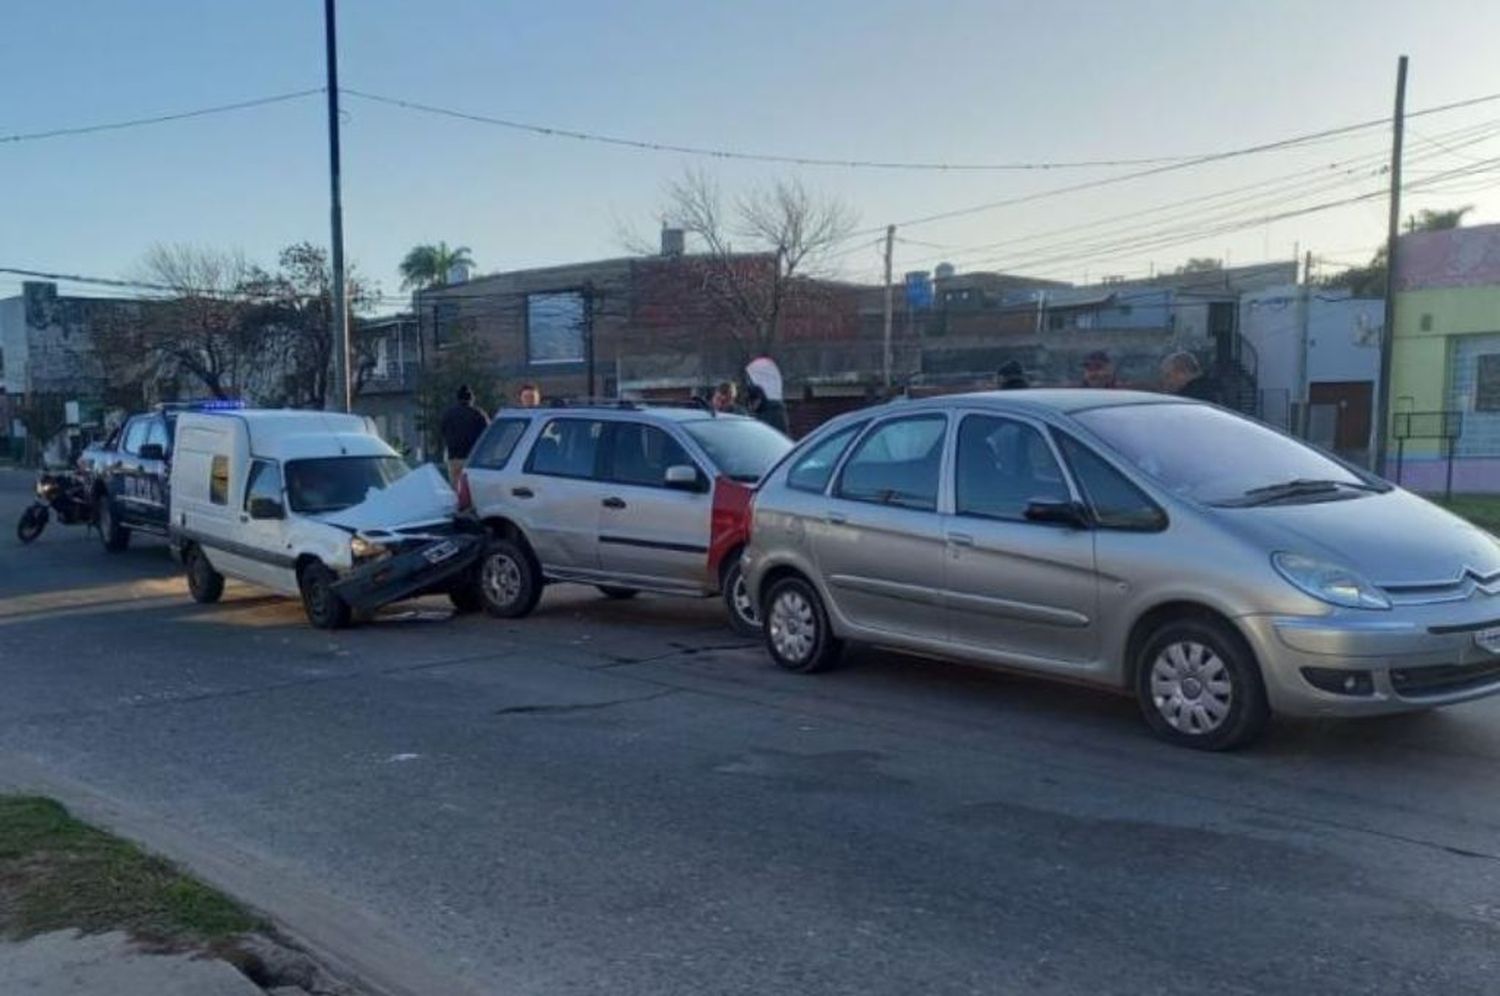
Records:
x=1393, y=230
x=890, y=239
x=1304, y=309
x=342, y=396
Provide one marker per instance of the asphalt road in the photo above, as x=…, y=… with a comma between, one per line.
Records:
x=623, y=798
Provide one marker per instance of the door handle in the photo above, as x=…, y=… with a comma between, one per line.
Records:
x=523, y=492
x=960, y=539
x=837, y=518
x=613, y=502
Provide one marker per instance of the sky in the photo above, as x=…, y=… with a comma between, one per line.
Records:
x=961, y=82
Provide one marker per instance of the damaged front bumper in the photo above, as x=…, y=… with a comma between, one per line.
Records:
x=417, y=567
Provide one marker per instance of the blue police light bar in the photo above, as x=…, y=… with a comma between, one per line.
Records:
x=202, y=405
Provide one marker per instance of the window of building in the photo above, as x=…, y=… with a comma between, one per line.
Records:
x=812, y=469
x=218, y=480
x=1487, y=383
x=445, y=327
x=1426, y=322
x=1002, y=467
x=899, y=463
x=265, y=482
x=556, y=326
x=640, y=454
x=567, y=447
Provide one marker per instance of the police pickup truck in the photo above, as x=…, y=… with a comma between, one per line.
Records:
x=128, y=473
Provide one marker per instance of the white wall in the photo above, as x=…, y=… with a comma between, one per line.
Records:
x=1342, y=336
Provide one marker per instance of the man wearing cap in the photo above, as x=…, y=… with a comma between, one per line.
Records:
x=461, y=426
x=1098, y=370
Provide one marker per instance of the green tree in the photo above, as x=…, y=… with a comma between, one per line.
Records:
x=427, y=265
x=463, y=361
x=1201, y=264
x=1428, y=220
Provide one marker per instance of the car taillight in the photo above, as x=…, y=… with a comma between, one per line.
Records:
x=465, y=499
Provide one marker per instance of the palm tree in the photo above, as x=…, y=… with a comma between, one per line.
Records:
x=1436, y=221
x=428, y=265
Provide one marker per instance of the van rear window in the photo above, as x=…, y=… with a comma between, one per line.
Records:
x=218, y=480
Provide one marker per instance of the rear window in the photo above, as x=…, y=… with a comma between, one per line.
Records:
x=498, y=442
x=741, y=448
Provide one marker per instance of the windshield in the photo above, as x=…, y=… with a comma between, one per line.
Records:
x=1213, y=456
x=330, y=484
x=741, y=448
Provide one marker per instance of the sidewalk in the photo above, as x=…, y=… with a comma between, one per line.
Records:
x=66, y=963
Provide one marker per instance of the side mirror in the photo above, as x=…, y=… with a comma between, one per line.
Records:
x=683, y=477
x=262, y=507
x=1058, y=513
x=152, y=451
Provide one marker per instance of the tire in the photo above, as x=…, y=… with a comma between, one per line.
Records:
x=616, y=593
x=324, y=608
x=205, y=584
x=509, y=583
x=744, y=615
x=797, y=633
x=1198, y=685
x=114, y=536
x=465, y=598
x=33, y=521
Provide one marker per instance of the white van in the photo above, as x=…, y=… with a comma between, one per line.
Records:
x=313, y=505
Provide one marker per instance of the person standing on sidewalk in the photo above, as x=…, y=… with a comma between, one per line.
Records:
x=461, y=426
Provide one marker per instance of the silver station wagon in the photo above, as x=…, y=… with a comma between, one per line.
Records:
x=1213, y=567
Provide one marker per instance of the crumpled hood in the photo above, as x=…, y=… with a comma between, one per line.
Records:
x=1394, y=538
x=422, y=497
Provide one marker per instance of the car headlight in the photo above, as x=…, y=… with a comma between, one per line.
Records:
x=1329, y=582
x=363, y=549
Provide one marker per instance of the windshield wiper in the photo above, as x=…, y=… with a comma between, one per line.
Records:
x=1298, y=487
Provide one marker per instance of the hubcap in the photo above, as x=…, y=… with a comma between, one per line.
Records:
x=743, y=603
x=794, y=627
x=501, y=579
x=1191, y=687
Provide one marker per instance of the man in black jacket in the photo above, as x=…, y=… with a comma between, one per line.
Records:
x=461, y=426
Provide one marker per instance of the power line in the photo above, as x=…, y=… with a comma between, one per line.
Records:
x=160, y=118
x=552, y=131
x=1284, y=143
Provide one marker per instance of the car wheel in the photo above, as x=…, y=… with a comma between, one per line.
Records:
x=509, y=584
x=465, y=598
x=33, y=521
x=617, y=593
x=744, y=615
x=114, y=536
x=205, y=584
x=796, y=628
x=325, y=609
x=1199, y=686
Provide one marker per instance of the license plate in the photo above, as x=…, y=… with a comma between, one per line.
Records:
x=1488, y=639
x=442, y=551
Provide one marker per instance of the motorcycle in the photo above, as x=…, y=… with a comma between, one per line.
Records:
x=63, y=492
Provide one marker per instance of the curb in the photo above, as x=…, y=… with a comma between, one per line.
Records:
x=352, y=943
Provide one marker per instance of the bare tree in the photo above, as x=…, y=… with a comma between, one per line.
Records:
x=757, y=254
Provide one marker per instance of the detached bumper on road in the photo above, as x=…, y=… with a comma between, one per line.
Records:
x=429, y=567
x=1374, y=663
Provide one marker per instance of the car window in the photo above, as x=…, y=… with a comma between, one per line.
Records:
x=1002, y=466
x=640, y=454
x=567, y=447
x=898, y=463
x=135, y=435
x=156, y=432
x=330, y=484
x=1117, y=503
x=1209, y=454
x=742, y=449
x=265, y=482
x=812, y=470
x=218, y=480
x=498, y=442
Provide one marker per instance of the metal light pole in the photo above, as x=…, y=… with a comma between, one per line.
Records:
x=340, y=398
